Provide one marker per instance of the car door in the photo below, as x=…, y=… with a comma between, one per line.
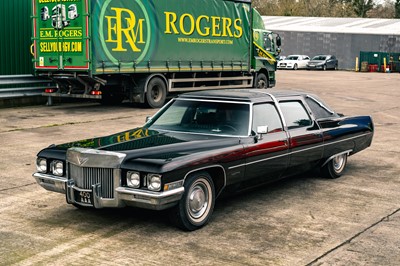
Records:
x=304, y=61
x=267, y=154
x=305, y=136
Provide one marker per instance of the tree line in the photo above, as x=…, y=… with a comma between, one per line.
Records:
x=329, y=8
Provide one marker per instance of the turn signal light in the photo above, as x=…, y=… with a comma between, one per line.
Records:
x=95, y=92
x=49, y=90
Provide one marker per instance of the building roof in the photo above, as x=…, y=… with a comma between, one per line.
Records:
x=333, y=25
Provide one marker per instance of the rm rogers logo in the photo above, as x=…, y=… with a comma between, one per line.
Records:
x=130, y=32
x=125, y=31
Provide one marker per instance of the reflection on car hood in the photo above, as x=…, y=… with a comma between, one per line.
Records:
x=146, y=143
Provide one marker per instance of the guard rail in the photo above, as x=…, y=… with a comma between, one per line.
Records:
x=17, y=86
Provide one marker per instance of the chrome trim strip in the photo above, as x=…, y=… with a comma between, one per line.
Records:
x=51, y=182
x=150, y=194
x=84, y=157
x=207, y=167
x=333, y=156
x=293, y=152
x=278, y=107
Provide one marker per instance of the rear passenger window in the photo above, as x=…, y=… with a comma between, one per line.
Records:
x=319, y=109
x=266, y=115
x=295, y=114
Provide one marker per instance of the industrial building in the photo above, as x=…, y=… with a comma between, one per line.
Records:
x=346, y=38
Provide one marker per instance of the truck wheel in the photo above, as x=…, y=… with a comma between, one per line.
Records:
x=197, y=203
x=261, y=81
x=156, y=92
x=335, y=167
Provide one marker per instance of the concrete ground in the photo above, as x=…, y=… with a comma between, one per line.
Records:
x=304, y=220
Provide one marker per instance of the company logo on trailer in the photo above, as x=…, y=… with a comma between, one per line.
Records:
x=125, y=31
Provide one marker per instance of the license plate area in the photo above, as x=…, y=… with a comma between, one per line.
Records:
x=83, y=197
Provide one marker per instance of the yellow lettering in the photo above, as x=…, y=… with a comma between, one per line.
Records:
x=170, y=20
x=198, y=26
x=182, y=26
x=238, y=27
x=215, y=26
x=226, y=28
x=128, y=32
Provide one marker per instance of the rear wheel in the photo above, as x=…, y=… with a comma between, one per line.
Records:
x=156, y=92
x=261, y=81
x=335, y=167
x=197, y=203
x=324, y=67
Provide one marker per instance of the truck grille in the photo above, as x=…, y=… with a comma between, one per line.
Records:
x=86, y=177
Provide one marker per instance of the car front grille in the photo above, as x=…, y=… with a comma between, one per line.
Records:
x=86, y=177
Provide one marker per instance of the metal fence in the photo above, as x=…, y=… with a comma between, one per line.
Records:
x=17, y=86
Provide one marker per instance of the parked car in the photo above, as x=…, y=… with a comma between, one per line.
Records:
x=294, y=62
x=201, y=145
x=280, y=57
x=323, y=62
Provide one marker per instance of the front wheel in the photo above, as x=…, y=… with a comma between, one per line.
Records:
x=295, y=67
x=197, y=203
x=335, y=167
x=156, y=92
x=261, y=81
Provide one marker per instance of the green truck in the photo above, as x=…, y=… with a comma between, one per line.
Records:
x=147, y=50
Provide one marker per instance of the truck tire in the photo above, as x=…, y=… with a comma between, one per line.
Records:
x=261, y=81
x=156, y=93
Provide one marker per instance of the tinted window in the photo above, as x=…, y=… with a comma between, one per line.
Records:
x=295, y=114
x=266, y=115
x=204, y=117
x=319, y=109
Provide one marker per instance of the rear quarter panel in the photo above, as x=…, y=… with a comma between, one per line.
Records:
x=346, y=133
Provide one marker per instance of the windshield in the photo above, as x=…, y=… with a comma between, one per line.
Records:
x=217, y=118
x=319, y=57
x=292, y=57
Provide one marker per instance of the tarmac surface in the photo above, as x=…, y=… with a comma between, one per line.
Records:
x=303, y=220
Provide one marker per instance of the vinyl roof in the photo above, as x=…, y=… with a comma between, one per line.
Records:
x=333, y=25
x=244, y=95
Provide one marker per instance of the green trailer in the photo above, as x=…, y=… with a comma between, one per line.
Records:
x=146, y=50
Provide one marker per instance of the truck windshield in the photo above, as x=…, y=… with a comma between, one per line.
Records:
x=216, y=118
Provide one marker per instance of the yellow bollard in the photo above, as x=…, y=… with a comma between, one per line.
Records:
x=356, y=63
x=384, y=64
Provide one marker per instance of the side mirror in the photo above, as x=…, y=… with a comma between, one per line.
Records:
x=261, y=130
x=148, y=118
x=278, y=40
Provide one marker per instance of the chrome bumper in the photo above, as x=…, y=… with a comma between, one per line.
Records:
x=123, y=197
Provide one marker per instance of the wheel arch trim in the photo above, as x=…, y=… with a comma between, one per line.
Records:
x=337, y=154
x=219, y=189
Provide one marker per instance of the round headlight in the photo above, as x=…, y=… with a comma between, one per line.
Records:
x=133, y=179
x=41, y=165
x=154, y=182
x=57, y=168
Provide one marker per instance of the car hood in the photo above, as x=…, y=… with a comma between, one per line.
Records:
x=288, y=61
x=316, y=61
x=146, y=143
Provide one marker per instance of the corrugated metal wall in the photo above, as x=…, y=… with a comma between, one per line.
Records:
x=15, y=37
x=345, y=46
